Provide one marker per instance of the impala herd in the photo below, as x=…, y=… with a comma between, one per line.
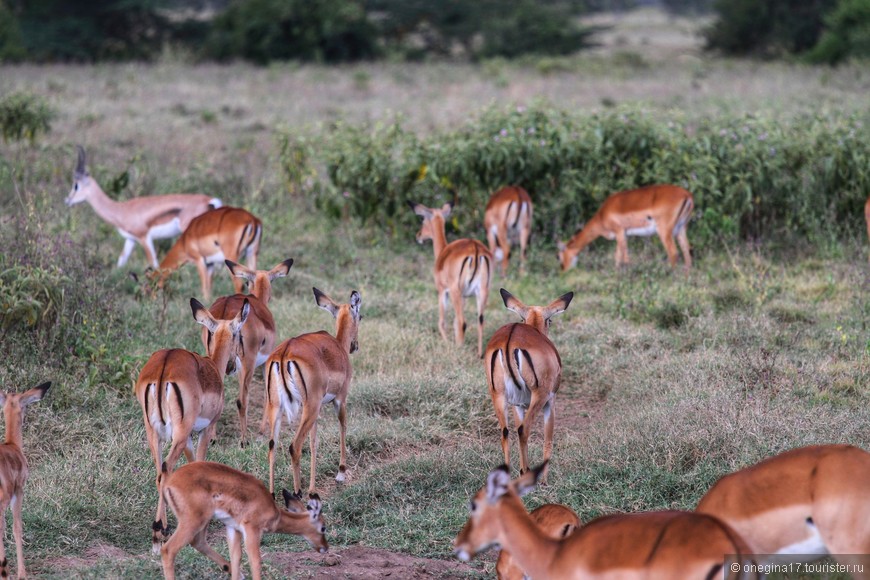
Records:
x=806, y=502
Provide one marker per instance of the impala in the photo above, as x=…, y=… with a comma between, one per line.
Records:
x=182, y=393
x=257, y=338
x=508, y=218
x=523, y=371
x=553, y=520
x=212, y=238
x=140, y=220
x=668, y=544
x=462, y=268
x=14, y=471
x=198, y=492
x=303, y=374
x=655, y=209
x=810, y=500
x=867, y=215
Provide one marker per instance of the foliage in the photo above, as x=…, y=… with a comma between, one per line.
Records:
x=770, y=28
x=88, y=30
x=847, y=33
x=11, y=41
x=24, y=115
x=482, y=29
x=265, y=30
x=751, y=177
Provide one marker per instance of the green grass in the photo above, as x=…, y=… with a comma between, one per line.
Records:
x=669, y=380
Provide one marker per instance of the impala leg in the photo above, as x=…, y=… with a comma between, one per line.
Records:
x=242, y=402
x=499, y=404
x=183, y=536
x=274, y=413
x=205, y=438
x=309, y=418
x=253, y=535
x=18, y=532
x=312, y=448
x=234, y=540
x=199, y=542
x=683, y=240
x=525, y=430
x=492, y=242
x=443, y=297
x=128, y=249
x=4, y=563
x=458, y=316
x=150, y=251
x=670, y=247
x=342, y=432
x=549, y=426
x=505, y=244
x=525, y=233
x=204, y=279
x=159, y=524
x=621, y=248
x=481, y=296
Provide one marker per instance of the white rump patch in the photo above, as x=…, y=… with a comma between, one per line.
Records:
x=516, y=395
x=291, y=408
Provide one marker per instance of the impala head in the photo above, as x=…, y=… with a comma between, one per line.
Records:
x=485, y=526
x=434, y=219
x=224, y=336
x=83, y=184
x=346, y=316
x=567, y=256
x=14, y=403
x=537, y=316
x=260, y=280
x=315, y=531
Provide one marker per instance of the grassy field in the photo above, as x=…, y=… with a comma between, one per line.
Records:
x=669, y=381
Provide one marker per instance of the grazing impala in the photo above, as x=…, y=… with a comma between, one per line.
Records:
x=257, y=338
x=810, y=500
x=555, y=521
x=140, y=220
x=661, y=209
x=198, y=492
x=14, y=471
x=508, y=217
x=462, y=268
x=303, y=374
x=867, y=215
x=524, y=370
x=214, y=237
x=182, y=393
x=668, y=544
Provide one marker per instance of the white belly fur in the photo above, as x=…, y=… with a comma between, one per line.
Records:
x=216, y=258
x=645, y=231
x=170, y=229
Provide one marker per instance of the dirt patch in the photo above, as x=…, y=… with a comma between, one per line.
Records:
x=362, y=563
x=92, y=555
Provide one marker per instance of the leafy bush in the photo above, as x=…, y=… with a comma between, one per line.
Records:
x=23, y=115
x=11, y=41
x=751, y=177
x=320, y=30
x=847, y=33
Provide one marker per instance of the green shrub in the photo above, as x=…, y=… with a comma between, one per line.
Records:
x=847, y=33
x=752, y=177
x=23, y=115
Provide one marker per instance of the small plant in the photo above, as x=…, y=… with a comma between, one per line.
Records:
x=24, y=116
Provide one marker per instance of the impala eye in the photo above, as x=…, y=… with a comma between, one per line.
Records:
x=76, y=186
x=472, y=506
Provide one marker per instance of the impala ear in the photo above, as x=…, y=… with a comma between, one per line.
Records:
x=497, y=483
x=420, y=209
x=513, y=304
x=292, y=502
x=447, y=209
x=34, y=394
x=281, y=269
x=239, y=271
x=558, y=306
x=325, y=302
x=529, y=480
x=355, y=303
x=81, y=167
x=202, y=316
x=560, y=245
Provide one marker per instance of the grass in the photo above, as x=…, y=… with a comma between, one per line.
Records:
x=669, y=381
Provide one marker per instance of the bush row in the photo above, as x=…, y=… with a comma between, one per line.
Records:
x=752, y=177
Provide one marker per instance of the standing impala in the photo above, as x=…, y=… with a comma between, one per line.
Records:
x=667, y=544
x=810, y=500
x=142, y=219
x=214, y=237
x=555, y=521
x=257, y=338
x=523, y=371
x=303, y=374
x=462, y=268
x=198, y=492
x=182, y=393
x=655, y=209
x=508, y=217
x=14, y=471
x=867, y=215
